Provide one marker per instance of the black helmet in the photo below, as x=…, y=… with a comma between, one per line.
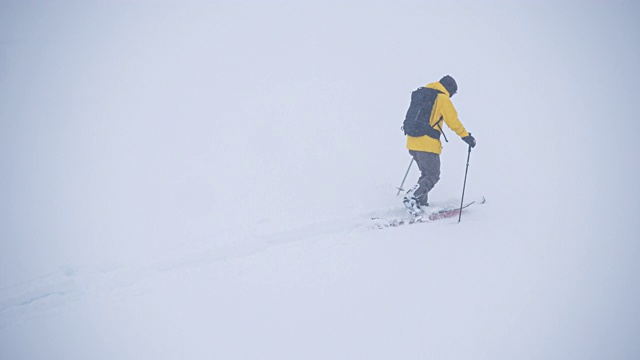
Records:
x=450, y=84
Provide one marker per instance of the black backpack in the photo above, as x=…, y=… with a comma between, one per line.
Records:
x=416, y=123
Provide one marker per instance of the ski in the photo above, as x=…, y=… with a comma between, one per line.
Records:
x=437, y=213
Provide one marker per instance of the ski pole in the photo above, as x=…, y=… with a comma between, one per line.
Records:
x=405, y=178
x=464, y=185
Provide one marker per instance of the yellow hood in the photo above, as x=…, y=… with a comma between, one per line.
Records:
x=437, y=86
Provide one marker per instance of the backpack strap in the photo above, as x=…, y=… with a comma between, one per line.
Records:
x=440, y=128
x=439, y=120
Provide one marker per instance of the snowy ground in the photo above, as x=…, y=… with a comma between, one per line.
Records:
x=157, y=156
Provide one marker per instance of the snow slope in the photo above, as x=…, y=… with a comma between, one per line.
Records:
x=196, y=180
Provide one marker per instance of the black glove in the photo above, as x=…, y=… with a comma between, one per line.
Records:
x=470, y=140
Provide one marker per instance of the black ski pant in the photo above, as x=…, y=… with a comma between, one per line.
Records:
x=429, y=165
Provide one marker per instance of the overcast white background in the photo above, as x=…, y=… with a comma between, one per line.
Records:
x=128, y=128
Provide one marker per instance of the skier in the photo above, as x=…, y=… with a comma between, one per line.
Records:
x=426, y=149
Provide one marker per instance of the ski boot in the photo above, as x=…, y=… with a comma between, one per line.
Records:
x=411, y=203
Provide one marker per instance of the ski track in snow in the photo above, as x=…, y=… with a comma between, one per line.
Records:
x=51, y=293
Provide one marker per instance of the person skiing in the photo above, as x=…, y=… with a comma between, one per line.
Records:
x=426, y=149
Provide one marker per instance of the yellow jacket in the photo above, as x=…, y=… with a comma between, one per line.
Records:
x=443, y=107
